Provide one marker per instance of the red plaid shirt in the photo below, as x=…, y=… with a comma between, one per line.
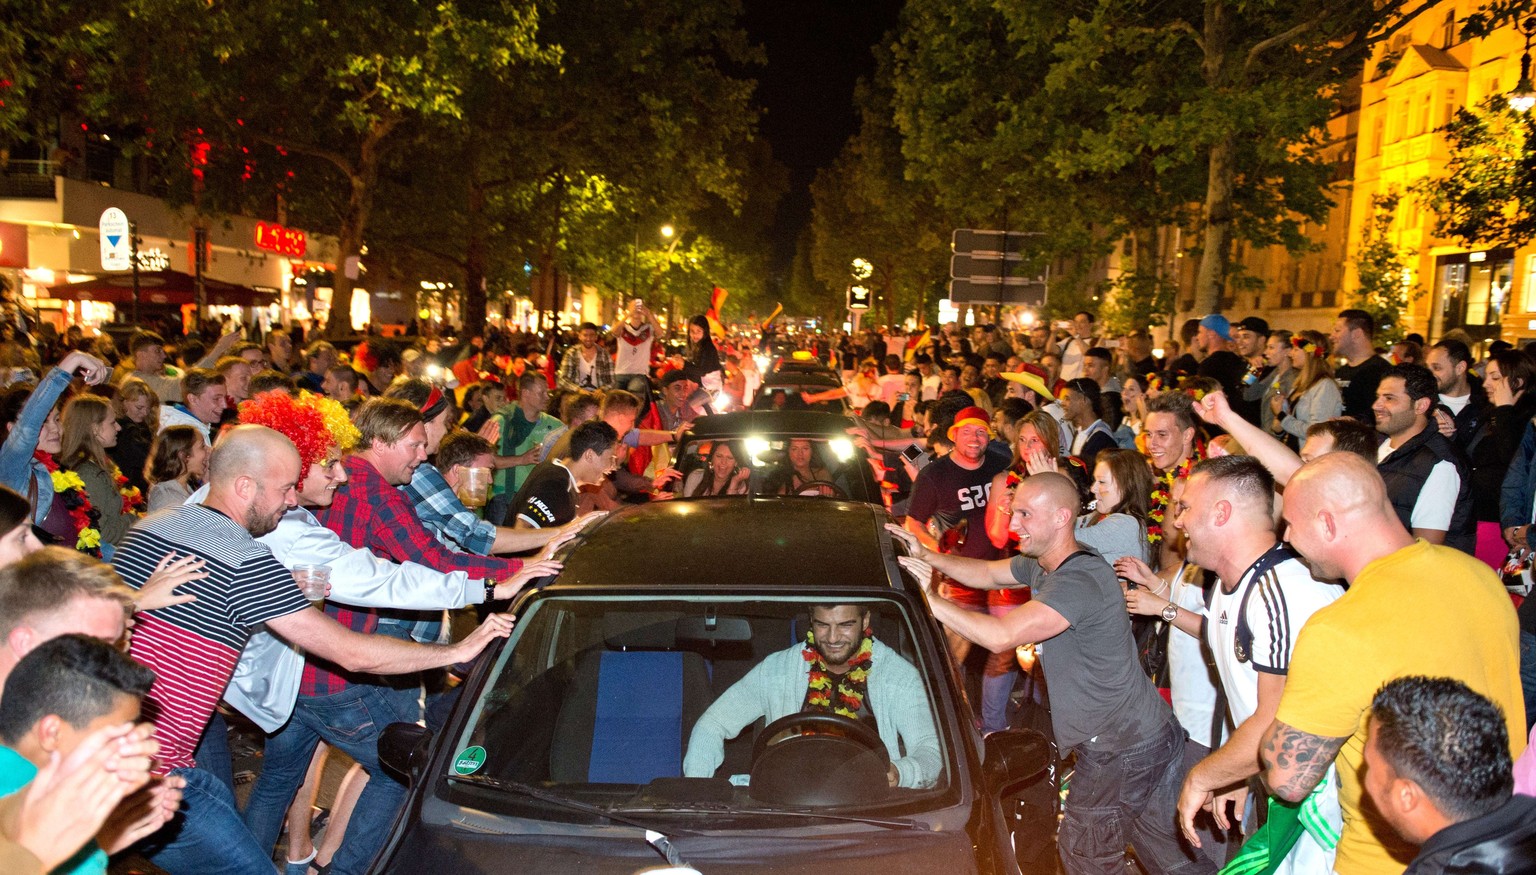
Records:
x=370, y=512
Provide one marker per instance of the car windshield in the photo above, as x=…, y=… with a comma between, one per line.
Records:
x=812, y=394
x=659, y=704
x=777, y=465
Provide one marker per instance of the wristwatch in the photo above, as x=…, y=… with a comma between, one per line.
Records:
x=1170, y=613
x=490, y=589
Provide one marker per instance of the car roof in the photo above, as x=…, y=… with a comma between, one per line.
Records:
x=816, y=379
x=734, y=543
x=795, y=366
x=744, y=423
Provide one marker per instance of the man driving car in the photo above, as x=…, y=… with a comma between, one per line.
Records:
x=840, y=669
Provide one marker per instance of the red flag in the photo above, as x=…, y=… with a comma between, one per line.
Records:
x=549, y=361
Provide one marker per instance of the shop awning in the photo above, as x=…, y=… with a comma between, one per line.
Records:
x=161, y=287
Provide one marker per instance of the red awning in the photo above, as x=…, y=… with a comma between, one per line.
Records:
x=161, y=287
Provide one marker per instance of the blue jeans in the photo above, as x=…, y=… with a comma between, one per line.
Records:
x=212, y=754
x=207, y=837
x=351, y=721
x=1528, y=674
x=1128, y=796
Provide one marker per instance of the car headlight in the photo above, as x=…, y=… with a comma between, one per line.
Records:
x=723, y=403
x=756, y=447
x=842, y=448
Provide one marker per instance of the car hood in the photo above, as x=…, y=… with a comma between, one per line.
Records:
x=623, y=851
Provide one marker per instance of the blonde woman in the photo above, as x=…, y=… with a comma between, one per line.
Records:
x=1315, y=396
x=89, y=427
x=138, y=416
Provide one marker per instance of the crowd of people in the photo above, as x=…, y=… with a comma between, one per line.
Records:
x=1240, y=570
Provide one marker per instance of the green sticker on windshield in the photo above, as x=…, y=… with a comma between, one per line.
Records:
x=469, y=760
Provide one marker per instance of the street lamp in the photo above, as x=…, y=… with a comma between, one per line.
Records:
x=667, y=231
x=1524, y=95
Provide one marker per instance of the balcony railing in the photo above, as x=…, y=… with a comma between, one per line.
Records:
x=28, y=179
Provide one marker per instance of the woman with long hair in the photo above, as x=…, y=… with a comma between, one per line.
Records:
x=88, y=428
x=724, y=474
x=1122, y=491
x=704, y=366
x=138, y=415
x=1279, y=381
x=177, y=466
x=1314, y=396
x=1133, y=401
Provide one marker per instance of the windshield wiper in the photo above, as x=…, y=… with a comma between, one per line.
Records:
x=718, y=808
x=556, y=799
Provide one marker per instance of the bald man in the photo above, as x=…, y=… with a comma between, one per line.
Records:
x=1128, y=744
x=194, y=647
x=1412, y=608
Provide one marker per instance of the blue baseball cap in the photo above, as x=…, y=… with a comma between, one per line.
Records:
x=1219, y=324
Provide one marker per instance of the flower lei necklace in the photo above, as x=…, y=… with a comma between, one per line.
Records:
x=843, y=694
x=133, y=498
x=70, y=489
x=1164, y=489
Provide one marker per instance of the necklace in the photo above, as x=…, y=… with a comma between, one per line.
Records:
x=70, y=489
x=843, y=694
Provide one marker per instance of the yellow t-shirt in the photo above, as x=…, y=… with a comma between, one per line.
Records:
x=1423, y=610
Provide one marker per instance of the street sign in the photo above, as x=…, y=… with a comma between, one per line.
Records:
x=993, y=243
x=1013, y=291
x=994, y=267
x=980, y=267
x=859, y=298
x=116, y=248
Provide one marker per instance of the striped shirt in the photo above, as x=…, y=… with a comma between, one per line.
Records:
x=1284, y=595
x=194, y=647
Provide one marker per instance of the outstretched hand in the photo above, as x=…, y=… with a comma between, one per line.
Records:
x=921, y=571
x=171, y=573
x=495, y=626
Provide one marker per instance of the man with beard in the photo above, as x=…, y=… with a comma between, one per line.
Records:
x=193, y=647
x=586, y=367
x=1425, y=474
x=868, y=681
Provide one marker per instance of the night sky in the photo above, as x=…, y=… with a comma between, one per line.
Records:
x=816, y=50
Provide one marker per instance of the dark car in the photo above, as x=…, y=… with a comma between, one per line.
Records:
x=801, y=391
x=802, y=363
x=573, y=746
x=762, y=445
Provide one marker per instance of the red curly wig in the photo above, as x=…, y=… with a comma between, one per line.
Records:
x=300, y=423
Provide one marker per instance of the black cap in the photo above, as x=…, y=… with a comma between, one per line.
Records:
x=1254, y=324
x=671, y=377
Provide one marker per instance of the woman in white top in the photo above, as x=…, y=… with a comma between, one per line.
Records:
x=1314, y=396
x=724, y=475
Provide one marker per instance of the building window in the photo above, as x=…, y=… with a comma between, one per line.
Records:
x=1528, y=294
x=1426, y=102
x=1378, y=134
x=1448, y=29
x=1452, y=103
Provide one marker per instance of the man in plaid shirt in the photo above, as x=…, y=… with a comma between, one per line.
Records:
x=369, y=511
x=587, y=366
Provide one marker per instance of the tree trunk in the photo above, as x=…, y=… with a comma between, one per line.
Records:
x=1211, y=281
x=473, y=314
x=354, y=222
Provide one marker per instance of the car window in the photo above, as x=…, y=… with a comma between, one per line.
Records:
x=616, y=701
x=777, y=465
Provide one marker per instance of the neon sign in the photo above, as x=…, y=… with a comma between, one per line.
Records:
x=284, y=241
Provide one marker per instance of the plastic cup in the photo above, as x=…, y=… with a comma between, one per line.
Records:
x=313, y=581
x=475, y=487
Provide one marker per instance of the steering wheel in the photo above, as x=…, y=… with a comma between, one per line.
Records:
x=819, y=758
x=821, y=488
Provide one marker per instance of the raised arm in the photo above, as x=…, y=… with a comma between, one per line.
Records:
x=1272, y=454
x=317, y=633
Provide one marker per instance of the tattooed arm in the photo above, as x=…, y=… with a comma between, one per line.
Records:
x=1294, y=761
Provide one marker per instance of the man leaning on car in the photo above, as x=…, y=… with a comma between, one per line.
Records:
x=1127, y=743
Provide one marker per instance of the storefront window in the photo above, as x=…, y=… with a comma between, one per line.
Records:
x=1473, y=290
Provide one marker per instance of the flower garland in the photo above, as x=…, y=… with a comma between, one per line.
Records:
x=1163, y=489
x=840, y=694
x=133, y=498
x=69, y=489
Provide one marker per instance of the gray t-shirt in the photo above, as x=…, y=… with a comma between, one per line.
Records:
x=1099, y=695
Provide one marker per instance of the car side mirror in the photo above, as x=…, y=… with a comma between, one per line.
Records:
x=403, y=750
x=1013, y=756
